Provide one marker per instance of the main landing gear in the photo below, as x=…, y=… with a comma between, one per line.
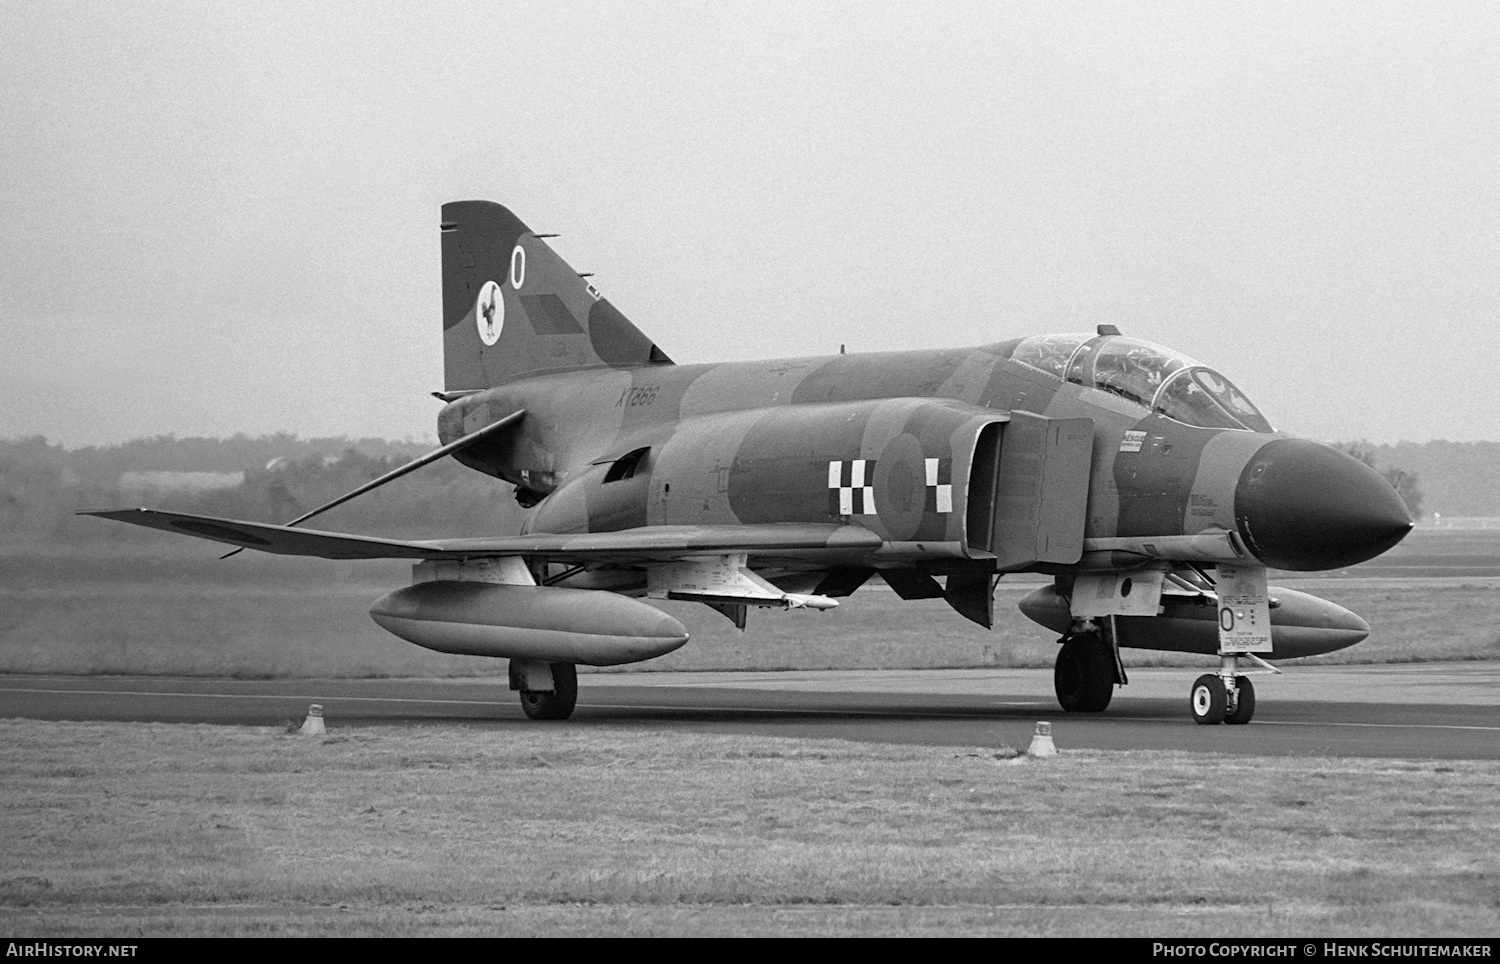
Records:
x=1223, y=697
x=1086, y=672
x=549, y=691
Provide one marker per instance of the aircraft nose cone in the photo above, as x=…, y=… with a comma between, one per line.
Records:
x=1307, y=506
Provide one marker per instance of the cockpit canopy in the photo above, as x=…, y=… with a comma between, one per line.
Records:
x=1156, y=378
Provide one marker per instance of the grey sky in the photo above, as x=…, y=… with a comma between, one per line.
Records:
x=218, y=218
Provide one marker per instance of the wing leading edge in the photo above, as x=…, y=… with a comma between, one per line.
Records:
x=645, y=544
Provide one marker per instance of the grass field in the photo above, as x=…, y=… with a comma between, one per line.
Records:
x=157, y=829
x=120, y=829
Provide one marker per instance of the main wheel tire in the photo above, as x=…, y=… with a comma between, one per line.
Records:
x=1084, y=676
x=558, y=704
x=1244, y=707
x=1208, y=700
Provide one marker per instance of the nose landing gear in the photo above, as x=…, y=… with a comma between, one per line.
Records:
x=1225, y=696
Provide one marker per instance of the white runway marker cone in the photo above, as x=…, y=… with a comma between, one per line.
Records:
x=313, y=725
x=1041, y=743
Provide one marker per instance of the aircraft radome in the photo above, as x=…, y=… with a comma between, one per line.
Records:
x=1146, y=484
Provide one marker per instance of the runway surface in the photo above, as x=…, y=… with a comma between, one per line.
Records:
x=1421, y=711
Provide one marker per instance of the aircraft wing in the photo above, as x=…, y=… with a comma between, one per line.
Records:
x=283, y=540
x=648, y=543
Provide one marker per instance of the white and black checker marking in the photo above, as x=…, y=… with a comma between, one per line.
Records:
x=851, y=488
x=939, y=485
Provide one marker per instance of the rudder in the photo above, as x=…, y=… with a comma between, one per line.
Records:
x=512, y=307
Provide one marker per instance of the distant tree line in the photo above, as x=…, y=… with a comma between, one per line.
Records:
x=169, y=453
x=1458, y=478
x=42, y=486
x=1403, y=481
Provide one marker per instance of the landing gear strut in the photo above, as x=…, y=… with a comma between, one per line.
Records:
x=1084, y=676
x=1223, y=697
x=549, y=691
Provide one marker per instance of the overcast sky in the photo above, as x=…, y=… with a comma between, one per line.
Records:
x=220, y=218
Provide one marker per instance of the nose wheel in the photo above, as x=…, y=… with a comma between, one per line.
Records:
x=1244, y=704
x=1210, y=700
x=1223, y=697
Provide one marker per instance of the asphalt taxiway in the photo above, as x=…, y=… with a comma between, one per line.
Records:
x=1418, y=711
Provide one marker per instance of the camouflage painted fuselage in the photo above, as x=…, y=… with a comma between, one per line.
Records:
x=782, y=441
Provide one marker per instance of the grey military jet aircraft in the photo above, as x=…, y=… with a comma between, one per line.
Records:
x=1146, y=484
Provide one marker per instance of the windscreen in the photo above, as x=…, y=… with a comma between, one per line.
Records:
x=1155, y=378
x=1201, y=396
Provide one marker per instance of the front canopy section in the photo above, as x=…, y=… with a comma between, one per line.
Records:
x=1158, y=379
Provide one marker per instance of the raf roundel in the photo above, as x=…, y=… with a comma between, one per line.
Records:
x=489, y=313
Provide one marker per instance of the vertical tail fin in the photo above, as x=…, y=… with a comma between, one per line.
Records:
x=512, y=307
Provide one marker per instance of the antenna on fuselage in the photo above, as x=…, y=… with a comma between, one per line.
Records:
x=1108, y=330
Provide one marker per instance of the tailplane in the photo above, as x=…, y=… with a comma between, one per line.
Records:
x=513, y=308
